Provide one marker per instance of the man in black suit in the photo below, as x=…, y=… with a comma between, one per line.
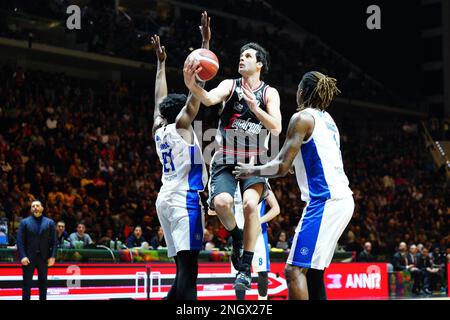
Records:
x=366, y=254
x=402, y=260
x=36, y=242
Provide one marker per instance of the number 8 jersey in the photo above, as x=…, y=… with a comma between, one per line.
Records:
x=183, y=167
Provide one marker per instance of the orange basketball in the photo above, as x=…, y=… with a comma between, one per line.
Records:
x=208, y=61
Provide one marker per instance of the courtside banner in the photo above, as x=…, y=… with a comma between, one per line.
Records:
x=152, y=281
x=357, y=281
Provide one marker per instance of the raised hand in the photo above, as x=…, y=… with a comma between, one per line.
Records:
x=250, y=97
x=205, y=30
x=159, y=50
x=190, y=70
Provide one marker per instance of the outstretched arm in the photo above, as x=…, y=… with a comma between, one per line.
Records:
x=160, y=82
x=218, y=94
x=208, y=98
x=189, y=112
x=205, y=30
x=299, y=125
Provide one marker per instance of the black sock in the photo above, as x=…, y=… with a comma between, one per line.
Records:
x=237, y=235
x=187, y=276
x=316, y=284
x=247, y=258
x=263, y=283
x=240, y=294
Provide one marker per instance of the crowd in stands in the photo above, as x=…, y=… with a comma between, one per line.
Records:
x=126, y=34
x=89, y=156
x=85, y=150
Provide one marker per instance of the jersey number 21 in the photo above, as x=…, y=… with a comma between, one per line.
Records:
x=168, y=161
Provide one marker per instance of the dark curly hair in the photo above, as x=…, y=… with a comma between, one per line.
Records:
x=171, y=106
x=261, y=55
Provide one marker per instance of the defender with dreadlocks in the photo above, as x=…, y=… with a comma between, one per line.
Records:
x=312, y=146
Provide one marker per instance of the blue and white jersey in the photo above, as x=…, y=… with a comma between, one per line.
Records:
x=318, y=165
x=183, y=165
x=261, y=259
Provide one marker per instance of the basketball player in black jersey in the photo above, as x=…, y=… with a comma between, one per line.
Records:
x=250, y=113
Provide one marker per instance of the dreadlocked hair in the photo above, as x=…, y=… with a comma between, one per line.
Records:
x=318, y=90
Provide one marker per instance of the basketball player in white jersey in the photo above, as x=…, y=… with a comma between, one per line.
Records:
x=184, y=173
x=261, y=259
x=312, y=145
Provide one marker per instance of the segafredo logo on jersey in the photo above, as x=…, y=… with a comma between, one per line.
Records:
x=247, y=126
x=211, y=141
x=369, y=279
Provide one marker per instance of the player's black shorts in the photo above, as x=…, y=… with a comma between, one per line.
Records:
x=223, y=180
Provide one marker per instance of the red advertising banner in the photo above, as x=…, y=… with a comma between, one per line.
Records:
x=215, y=281
x=357, y=281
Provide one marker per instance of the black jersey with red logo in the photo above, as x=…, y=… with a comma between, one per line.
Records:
x=240, y=134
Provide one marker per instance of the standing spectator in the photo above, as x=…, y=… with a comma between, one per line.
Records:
x=158, y=241
x=136, y=239
x=62, y=237
x=366, y=254
x=80, y=235
x=36, y=241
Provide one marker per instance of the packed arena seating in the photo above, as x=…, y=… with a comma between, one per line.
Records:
x=125, y=33
x=90, y=157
